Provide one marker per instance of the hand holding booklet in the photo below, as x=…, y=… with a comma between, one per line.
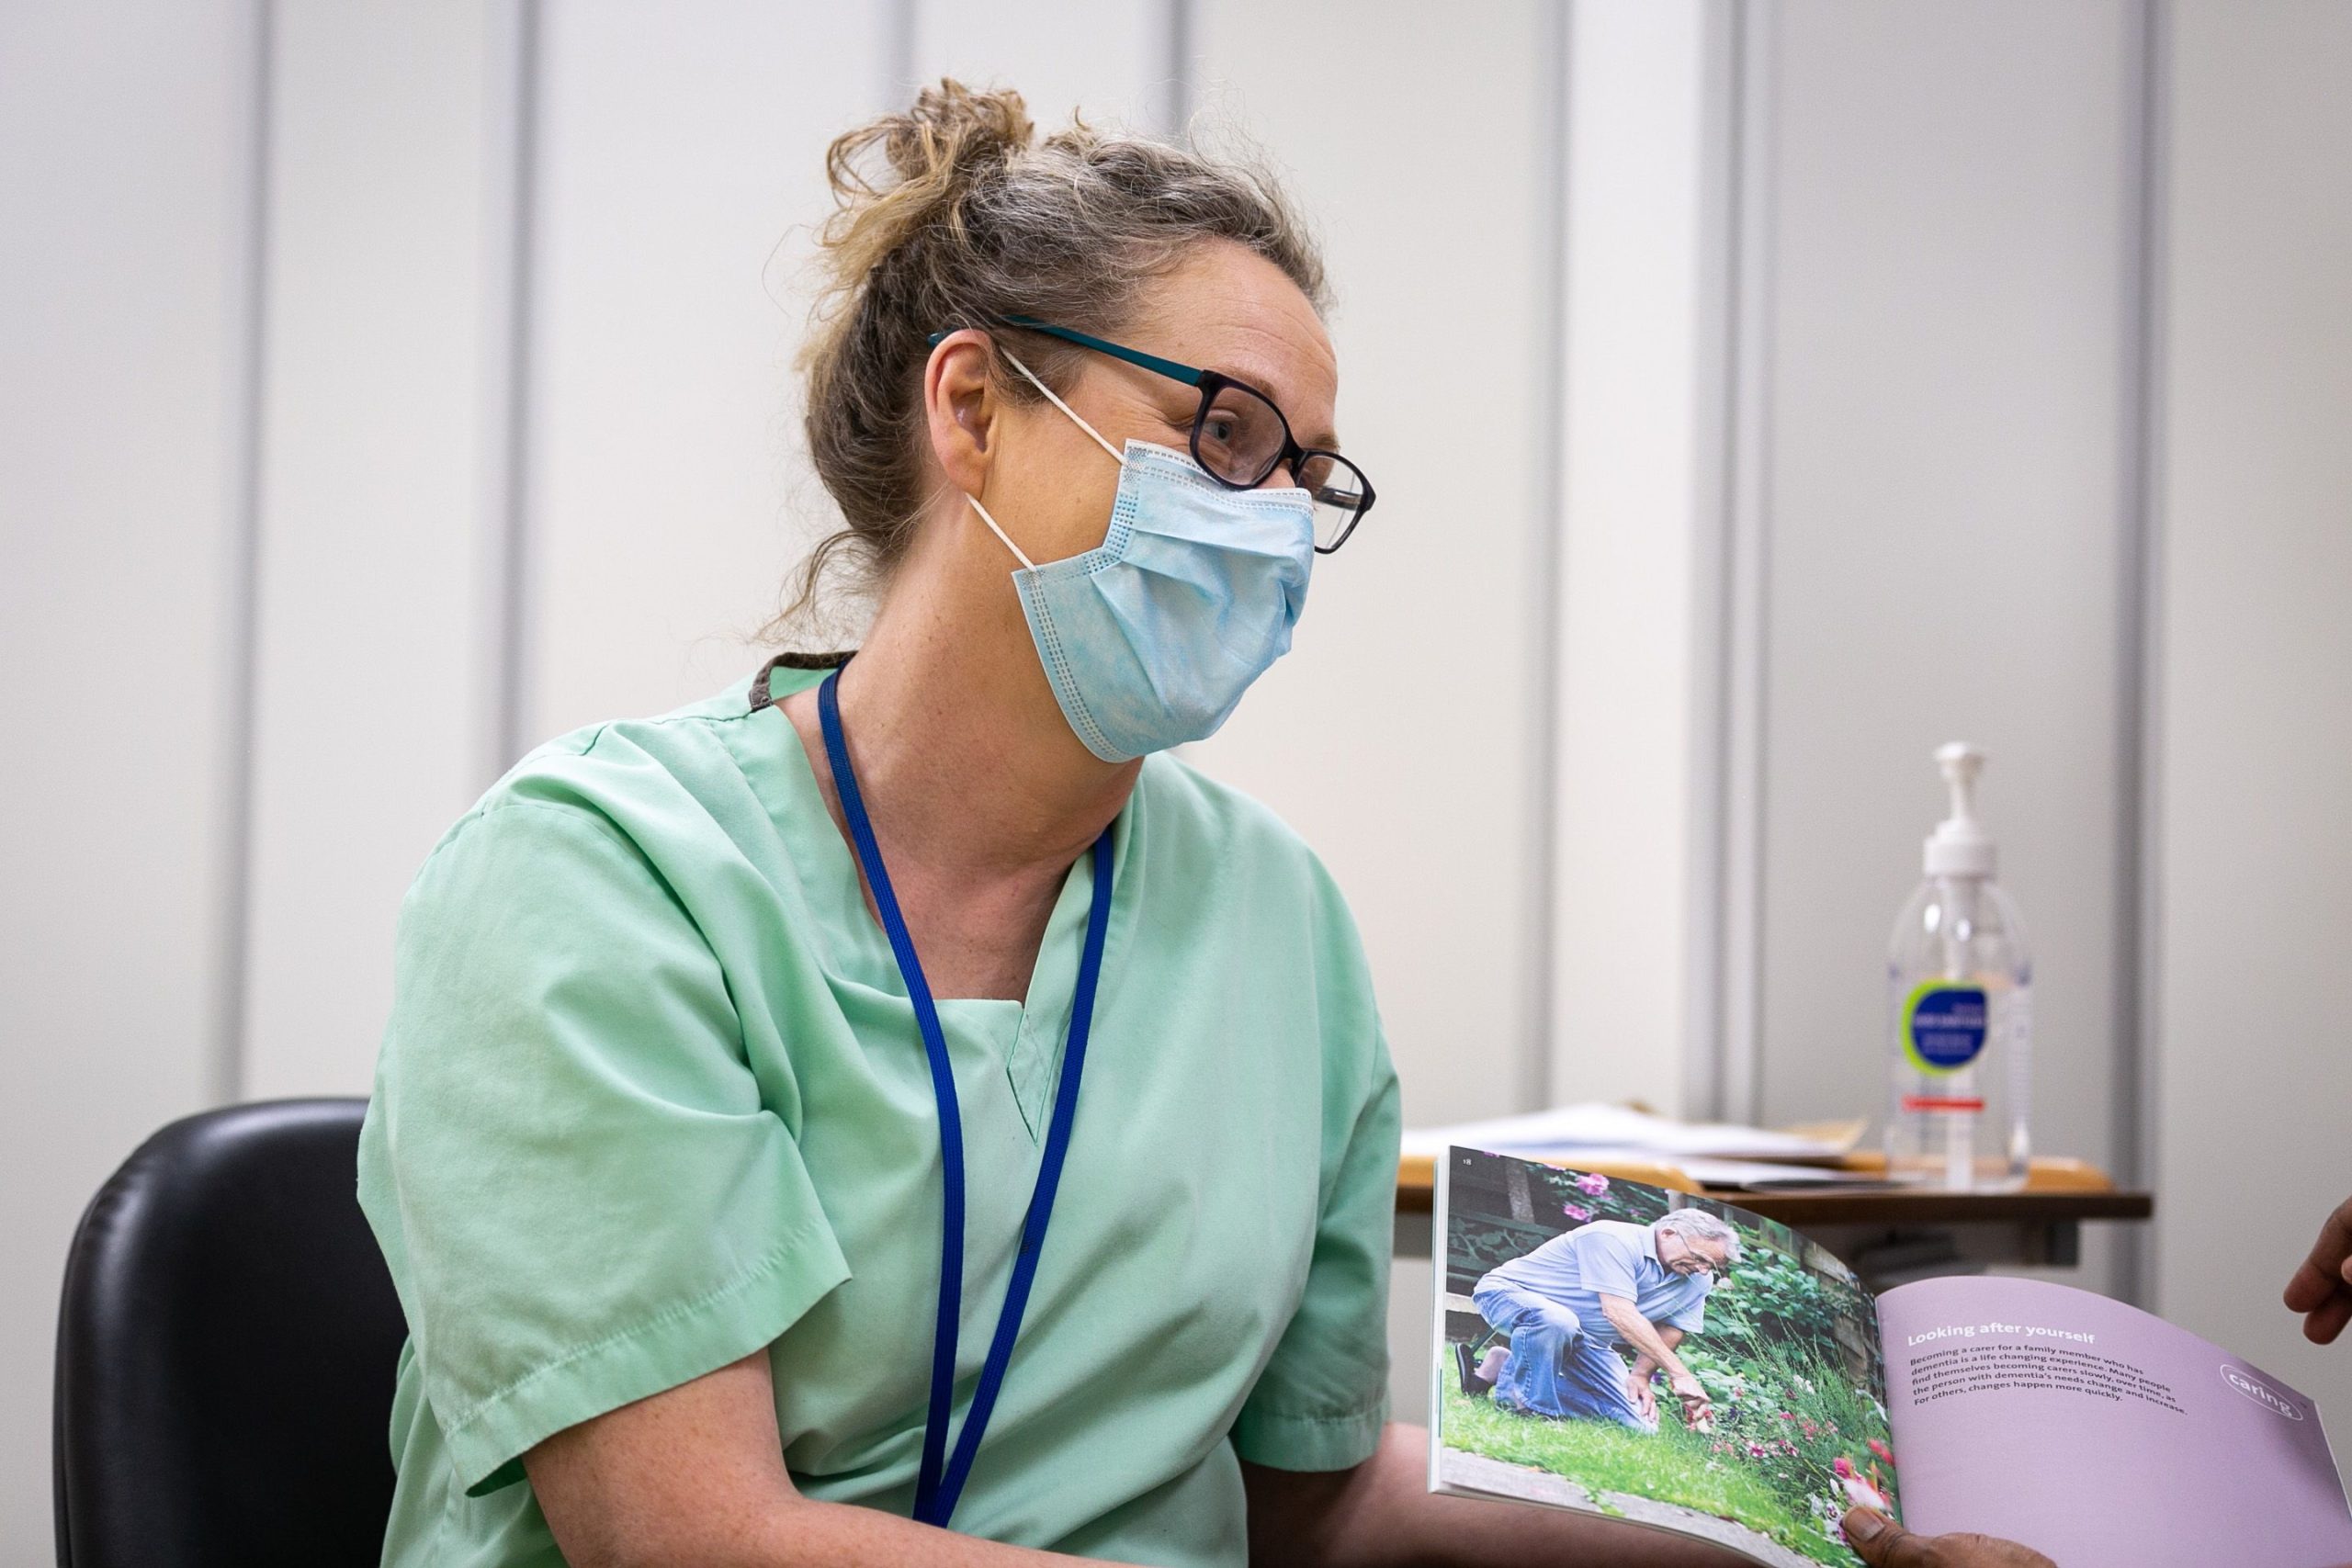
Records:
x=1674, y=1360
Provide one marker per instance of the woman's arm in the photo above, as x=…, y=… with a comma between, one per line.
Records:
x=694, y=1477
x=1381, y=1512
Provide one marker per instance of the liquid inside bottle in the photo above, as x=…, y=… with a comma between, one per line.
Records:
x=1959, y=1019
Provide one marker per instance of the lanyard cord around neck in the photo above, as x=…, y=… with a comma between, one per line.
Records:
x=940, y=1479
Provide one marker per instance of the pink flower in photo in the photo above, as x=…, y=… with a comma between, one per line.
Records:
x=1592, y=1184
x=1883, y=1452
x=1576, y=1211
x=1859, y=1494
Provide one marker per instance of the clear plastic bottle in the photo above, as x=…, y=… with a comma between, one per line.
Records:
x=1960, y=1011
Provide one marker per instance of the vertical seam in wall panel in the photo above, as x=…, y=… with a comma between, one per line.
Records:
x=1171, y=107
x=898, y=26
x=1748, y=528
x=1712, y=391
x=1538, y=1037
x=2137, y=886
x=241, y=609
x=512, y=604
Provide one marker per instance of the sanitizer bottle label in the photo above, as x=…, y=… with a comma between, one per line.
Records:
x=1944, y=1026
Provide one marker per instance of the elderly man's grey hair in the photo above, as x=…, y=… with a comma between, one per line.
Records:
x=1697, y=1224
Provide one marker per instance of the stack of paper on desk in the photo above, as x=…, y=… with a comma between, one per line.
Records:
x=1713, y=1153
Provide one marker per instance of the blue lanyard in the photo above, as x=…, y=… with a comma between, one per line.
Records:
x=940, y=1481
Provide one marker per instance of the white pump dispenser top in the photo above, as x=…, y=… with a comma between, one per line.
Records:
x=1960, y=846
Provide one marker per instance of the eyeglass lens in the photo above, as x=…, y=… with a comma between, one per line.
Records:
x=1239, y=437
x=1338, y=491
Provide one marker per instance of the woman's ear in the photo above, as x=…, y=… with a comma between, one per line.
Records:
x=960, y=407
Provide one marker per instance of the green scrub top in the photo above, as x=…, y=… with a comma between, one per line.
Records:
x=652, y=1097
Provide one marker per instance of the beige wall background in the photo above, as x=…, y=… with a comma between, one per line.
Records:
x=1760, y=394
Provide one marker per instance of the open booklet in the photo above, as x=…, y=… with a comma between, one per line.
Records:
x=2087, y=1430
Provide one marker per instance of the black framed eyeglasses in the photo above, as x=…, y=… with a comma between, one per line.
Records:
x=1239, y=437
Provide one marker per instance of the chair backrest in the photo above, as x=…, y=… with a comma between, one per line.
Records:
x=225, y=1351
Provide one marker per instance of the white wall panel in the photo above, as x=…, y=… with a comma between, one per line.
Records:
x=1396, y=734
x=1947, y=422
x=1641, y=347
x=666, y=486
x=374, y=669
x=1399, y=735
x=2255, y=829
x=1108, y=59
x=123, y=416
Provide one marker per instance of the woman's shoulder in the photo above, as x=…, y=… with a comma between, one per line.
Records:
x=662, y=780
x=1212, y=812
x=1200, y=819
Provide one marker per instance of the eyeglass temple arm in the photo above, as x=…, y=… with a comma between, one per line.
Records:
x=1152, y=362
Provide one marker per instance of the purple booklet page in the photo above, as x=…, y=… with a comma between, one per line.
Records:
x=2100, y=1435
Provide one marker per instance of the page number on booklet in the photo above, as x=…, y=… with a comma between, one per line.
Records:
x=1944, y=1026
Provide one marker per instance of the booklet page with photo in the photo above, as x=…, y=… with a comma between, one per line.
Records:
x=1756, y=1413
x=1676, y=1360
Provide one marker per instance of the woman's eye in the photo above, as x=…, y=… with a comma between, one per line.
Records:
x=1219, y=428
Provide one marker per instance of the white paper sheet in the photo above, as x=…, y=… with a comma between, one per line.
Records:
x=1624, y=1132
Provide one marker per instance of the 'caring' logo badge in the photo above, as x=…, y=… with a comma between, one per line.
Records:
x=2262, y=1393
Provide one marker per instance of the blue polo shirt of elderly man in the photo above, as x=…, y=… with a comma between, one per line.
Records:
x=1563, y=1357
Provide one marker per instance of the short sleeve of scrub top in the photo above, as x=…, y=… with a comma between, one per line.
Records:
x=595, y=1204
x=651, y=1098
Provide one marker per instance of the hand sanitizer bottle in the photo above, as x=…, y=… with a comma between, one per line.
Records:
x=1960, y=989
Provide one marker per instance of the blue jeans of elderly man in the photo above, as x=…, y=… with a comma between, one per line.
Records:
x=1567, y=1304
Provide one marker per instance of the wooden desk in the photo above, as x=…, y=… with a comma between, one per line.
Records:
x=1886, y=1236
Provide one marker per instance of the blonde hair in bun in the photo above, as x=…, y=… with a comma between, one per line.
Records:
x=956, y=213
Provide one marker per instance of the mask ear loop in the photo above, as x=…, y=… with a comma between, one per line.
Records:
x=1115, y=456
x=1017, y=553
x=1076, y=418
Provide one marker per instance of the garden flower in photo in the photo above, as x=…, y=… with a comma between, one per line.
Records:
x=1592, y=1184
x=1858, y=1492
x=1576, y=1211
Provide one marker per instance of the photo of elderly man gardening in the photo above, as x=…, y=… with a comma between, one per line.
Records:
x=1660, y=1357
x=1567, y=1304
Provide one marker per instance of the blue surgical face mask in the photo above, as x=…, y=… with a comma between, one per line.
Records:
x=1149, y=640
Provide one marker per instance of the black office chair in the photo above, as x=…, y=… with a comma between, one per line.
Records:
x=225, y=1351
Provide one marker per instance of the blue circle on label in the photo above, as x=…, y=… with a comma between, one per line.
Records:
x=1948, y=1026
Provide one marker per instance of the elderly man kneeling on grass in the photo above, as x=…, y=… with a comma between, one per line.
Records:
x=1566, y=1304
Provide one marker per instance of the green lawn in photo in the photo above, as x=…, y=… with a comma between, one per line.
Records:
x=1673, y=1465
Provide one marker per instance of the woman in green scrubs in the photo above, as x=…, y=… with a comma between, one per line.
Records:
x=891, y=1111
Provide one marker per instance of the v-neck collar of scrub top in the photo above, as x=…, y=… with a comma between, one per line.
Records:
x=1026, y=1035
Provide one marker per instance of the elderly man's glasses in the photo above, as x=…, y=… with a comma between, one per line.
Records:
x=1239, y=437
x=1687, y=1254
